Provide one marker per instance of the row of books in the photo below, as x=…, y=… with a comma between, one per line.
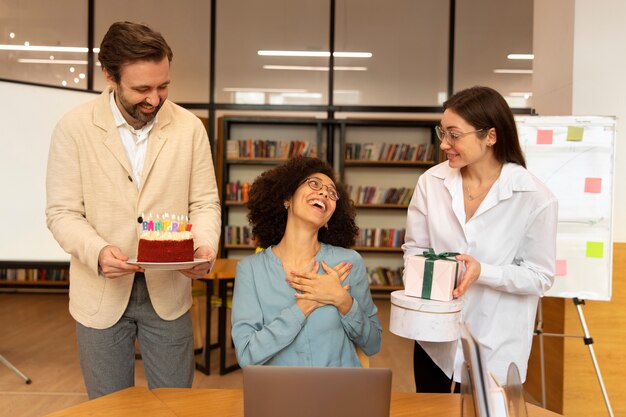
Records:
x=237, y=191
x=379, y=195
x=34, y=274
x=238, y=235
x=380, y=238
x=389, y=152
x=273, y=149
x=385, y=276
x=370, y=237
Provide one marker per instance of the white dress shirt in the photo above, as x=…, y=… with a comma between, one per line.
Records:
x=513, y=236
x=135, y=141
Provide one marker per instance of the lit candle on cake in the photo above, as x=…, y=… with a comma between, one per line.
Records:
x=165, y=222
x=157, y=224
x=183, y=225
x=144, y=224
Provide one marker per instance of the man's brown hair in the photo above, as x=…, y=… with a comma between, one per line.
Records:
x=127, y=42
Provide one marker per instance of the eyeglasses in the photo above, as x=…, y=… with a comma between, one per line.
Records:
x=452, y=137
x=316, y=184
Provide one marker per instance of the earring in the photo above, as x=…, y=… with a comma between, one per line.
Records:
x=286, y=204
x=326, y=226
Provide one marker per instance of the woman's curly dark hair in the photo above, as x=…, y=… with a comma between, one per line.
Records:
x=266, y=210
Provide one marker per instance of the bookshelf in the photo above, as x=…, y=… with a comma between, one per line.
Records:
x=248, y=146
x=34, y=276
x=380, y=161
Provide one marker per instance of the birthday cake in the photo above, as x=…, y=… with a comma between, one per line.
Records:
x=165, y=241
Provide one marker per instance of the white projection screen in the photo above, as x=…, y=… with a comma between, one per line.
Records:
x=27, y=116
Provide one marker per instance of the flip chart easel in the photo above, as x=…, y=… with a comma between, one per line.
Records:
x=574, y=157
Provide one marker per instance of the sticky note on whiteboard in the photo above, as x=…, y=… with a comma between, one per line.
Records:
x=575, y=133
x=593, y=185
x=561, y=267
x=595, y=250
x=544, y=137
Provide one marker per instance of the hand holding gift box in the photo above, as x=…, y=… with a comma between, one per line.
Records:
x=432, y=276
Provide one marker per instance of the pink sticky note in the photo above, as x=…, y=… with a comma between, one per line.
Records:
x=593, y=185
x=561, y=267
x=544, y=137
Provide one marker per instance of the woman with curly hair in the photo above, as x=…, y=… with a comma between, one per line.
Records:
x=305, y=299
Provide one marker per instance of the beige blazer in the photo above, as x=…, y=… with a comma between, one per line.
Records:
x=92, y=202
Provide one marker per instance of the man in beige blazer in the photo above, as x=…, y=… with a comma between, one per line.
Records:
x=129, y=152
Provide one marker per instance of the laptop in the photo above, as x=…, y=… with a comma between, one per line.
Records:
x=475, y=393
x=293, y=391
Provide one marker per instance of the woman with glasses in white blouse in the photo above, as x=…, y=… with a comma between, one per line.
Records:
x=305, y=299
x=483, y=203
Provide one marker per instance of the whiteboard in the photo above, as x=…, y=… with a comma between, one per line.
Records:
x=575, y=156
x=28, y=115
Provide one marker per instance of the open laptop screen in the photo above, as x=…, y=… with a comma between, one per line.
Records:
x=288, y=391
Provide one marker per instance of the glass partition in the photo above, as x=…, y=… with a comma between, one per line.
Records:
x=486, y=33
x=185, y=25
x=44, y=42
x=272, y=52
x=408, y=43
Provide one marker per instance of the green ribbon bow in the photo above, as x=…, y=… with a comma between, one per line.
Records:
x=429, y=268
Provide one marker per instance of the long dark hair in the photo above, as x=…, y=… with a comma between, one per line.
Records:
x=485, y=108
x=127, y=42
x=268, y=216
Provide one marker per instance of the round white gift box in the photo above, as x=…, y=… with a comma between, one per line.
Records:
x=425, y=320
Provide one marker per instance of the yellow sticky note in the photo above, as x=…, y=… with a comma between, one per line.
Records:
x=595, y=250
x=575, y=133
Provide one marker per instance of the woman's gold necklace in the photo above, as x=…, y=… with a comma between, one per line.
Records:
x=471, y=197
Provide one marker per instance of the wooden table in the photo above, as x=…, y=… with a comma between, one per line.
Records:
x=195, y=402
x=222, y=275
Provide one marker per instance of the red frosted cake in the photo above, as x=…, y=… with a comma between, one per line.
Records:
x=160, y=246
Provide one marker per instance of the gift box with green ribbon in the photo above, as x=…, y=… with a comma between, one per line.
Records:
x=432, y=276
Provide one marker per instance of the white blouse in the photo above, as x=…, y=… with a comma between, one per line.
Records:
x=513, y=236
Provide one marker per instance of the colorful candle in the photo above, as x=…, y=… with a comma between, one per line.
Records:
x=157, y=224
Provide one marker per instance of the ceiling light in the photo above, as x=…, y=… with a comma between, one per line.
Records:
x=51, y=61
x=521, y=56
x=512, y=71
x=266, y=90
x=311, y=68
x=12, y=35
x=315, y=54
x=39, y=48
x=525, y=94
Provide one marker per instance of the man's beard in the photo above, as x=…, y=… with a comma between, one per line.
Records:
x=134, y=111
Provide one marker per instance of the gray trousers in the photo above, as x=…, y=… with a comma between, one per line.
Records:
x=107, y=356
